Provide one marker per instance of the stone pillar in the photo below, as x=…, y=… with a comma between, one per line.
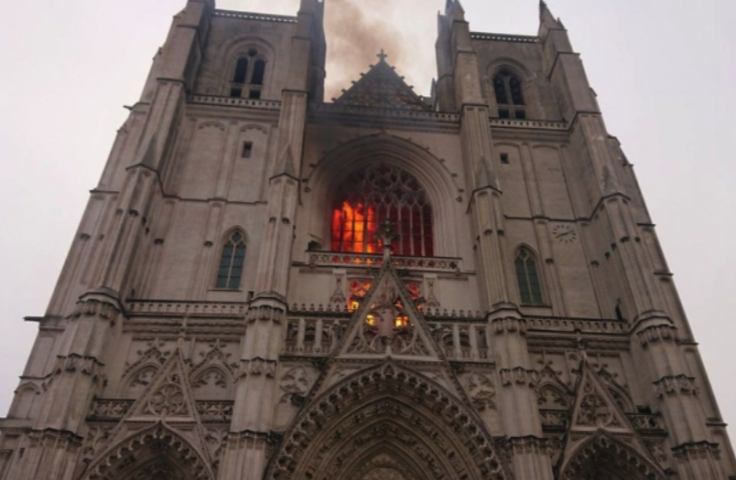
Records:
x=77, y=377
x=657, y=345
x=517, y=398
x=256, y=389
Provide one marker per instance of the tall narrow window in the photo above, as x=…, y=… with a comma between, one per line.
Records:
x=528, y=278
x=373, y=195
x=249, y=76
x=230, y=272
x=509, y=95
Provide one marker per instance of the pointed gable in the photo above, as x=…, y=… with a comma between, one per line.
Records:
x=387, y=322
x=382, y=87
x=595, y=407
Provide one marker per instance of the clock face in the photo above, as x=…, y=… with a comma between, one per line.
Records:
x=565, y=233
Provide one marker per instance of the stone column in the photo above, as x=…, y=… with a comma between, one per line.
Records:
x=77, y=377
x=256, y=389
x=656, y=344
x=517, y=398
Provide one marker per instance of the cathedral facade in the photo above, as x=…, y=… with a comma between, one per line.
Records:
x=268, y=286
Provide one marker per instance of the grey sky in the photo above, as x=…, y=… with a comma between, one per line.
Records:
x=664, y=71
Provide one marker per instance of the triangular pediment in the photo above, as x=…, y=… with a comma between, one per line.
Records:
x=382, y=87
x=595, y=408
x=388, y=324
x=167, y=400
x=600, y=432
x=388, y=327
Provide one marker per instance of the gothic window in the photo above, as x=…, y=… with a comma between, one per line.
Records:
x=528, y=278
x=509, y=96
x=369, y=197
x=249, y=75
x=231, y=262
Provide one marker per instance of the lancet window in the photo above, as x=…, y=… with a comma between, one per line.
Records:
x=509, y=95
x=230, y=272
x=527, y=275
x=373, y=195
x=249, y=76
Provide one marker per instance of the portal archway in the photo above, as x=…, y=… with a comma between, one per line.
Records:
x=387, y=409
x=156, y=453
x=602, y=457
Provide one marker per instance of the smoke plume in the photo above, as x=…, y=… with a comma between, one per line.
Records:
x=357, y=30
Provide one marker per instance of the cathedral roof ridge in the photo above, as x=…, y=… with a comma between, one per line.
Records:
x=382, y=87
x=264, y=17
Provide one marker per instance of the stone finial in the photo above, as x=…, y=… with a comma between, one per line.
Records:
x=545, y=16
x=455, y=10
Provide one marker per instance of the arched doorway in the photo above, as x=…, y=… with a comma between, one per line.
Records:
x=156, y=453
x=387, y=414
x=602, y=457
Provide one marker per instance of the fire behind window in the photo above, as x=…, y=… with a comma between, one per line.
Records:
x=373, y=195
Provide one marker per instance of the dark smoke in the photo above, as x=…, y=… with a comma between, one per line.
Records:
x=357, y=30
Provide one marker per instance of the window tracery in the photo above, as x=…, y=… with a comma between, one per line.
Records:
x=230, y=272
x=527, y=275
x=249, y=75
x=374, y=195
x=509, y=95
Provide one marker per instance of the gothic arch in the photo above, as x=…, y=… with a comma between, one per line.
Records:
x=218, y=252
x=387, y=403
x=511, y=67
x=240, y=46
x=551, y=396
x=538, y=266
x=430, y=172
x=157, y=448
x=206, y=375
x=606, y=458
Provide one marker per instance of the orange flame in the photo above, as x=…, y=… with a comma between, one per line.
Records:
x=358, y=227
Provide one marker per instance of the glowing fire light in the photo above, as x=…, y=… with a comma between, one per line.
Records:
x=355, y=227
x=402, y=322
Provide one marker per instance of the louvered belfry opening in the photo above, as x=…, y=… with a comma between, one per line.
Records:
x=372, y=195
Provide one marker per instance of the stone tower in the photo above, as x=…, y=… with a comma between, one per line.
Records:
x=267, y=286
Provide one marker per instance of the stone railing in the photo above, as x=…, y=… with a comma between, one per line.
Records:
x=178, y=309
x=255, y=16
x=365, y=110
x=310, y=336
x=363, y=260
x=501, y=37
x=234, y=102
x=529, y=124
x=575, y=324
